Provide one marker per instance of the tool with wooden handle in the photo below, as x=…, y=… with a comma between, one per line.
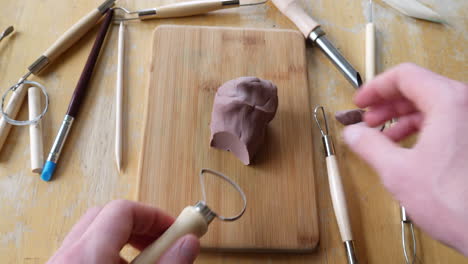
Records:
x=64, y=42
x=185, y=9
x=192, y=220
x=312, y=31
x=336, y=189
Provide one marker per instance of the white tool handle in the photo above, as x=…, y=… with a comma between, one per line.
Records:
x=119, y=96
x=35, y=131
x=338, y=198
x=72, y=35
x=297, y=15
x=370, y=51
x=190, y=221
x=12, y=108
x=186, y=9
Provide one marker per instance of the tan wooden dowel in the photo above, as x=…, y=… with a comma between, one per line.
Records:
x=35, y=131
x=338, y=198
x=72, y=35
x=370, y=51
x=12, y=108
x=190, y=221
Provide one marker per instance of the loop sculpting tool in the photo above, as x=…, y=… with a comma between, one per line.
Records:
x=192, y=220
x=312, y=30
x=336, y=188
x=77, y=99
x=184, y=9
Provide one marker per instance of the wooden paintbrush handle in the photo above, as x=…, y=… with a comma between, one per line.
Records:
x=186, y=9
x=35, y=130
x=297, y=15
x=83, y=82
x=338, y=198
x=72, y=35
x=190, y=221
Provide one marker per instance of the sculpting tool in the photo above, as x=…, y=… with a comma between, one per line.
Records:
x=312, y=31
x=370, y=45
x=65, y=41
x=185, y=9
x=336, y=188
x=192, y=220
x=77, y=99
x=118, y=97
x=6, y=32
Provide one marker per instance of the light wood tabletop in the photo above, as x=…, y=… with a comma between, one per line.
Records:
x=35, y=216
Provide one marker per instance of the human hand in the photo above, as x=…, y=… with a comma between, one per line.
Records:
x=101, y=233
x=431, y=178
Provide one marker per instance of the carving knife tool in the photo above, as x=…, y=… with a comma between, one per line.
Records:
x=6, y=32
x=312, y=31
x=77, y=99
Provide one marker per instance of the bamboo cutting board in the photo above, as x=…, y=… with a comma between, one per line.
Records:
x=188, y=64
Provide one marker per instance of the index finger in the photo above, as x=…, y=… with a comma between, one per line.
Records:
x=118, y=222
x=418, y=85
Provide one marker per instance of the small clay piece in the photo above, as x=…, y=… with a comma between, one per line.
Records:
x=349, y=117
x=241, y=111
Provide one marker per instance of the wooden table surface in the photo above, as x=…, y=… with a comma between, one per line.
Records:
x=35, y=216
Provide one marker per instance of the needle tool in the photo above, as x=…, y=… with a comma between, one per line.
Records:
x=118, y=96
x=336, y=187
x=313, y=31
x=63, y=43
x=6, y=32
x=184, y=9
x=77, y=99
x=192, y=220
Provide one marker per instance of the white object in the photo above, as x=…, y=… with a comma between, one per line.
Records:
x=414, y=8
x=370, y=51
x=118, y=97
x=35, y=130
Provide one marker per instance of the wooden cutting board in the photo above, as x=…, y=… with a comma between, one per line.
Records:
x=188, y=64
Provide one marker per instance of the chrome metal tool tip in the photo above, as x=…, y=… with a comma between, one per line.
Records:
x=6, y=32
x=318, y=37
x=350, y=252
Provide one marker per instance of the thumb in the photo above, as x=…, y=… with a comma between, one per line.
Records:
x=184, y=251
x=372, y=146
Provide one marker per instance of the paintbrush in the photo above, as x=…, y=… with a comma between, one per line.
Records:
x=77, y=99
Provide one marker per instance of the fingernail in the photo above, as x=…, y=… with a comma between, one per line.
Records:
x=352, y=133
x=189, y=248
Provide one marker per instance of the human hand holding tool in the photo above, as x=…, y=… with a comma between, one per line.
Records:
x=102, y=232
x=428, y=179
x=192, y=220
x=312, y=30
x=336, y=187
x=77, y=99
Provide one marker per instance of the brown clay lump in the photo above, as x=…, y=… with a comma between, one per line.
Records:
x=241, y=111
x=349, y=117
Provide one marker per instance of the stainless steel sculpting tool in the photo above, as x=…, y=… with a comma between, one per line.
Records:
x=336, y=187
x=312, y=31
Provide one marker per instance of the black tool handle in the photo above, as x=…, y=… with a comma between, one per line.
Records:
x=80, y=90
